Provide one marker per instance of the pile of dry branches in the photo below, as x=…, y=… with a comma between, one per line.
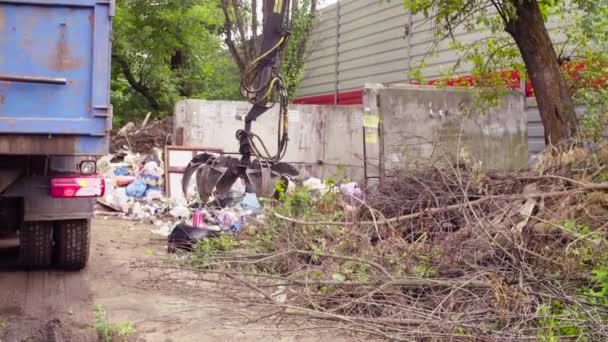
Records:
x=144, y=138
x=433, y=253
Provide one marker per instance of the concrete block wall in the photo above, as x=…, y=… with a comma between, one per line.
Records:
x=424, y=122
x=322, y=138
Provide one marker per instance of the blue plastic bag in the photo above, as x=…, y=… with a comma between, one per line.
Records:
x=250, y=202
x=121, y=171
x=137, y=189
x=236, y=228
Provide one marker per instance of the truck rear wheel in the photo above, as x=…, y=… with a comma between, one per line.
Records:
x=72, y=243
x=36, y=245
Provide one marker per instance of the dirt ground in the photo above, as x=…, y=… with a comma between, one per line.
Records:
x=58, y=306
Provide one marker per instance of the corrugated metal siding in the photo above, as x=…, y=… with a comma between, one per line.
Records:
x=320, y=73
x=373, y=47
x=536, y=132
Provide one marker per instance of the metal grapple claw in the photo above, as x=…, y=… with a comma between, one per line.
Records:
x=217, y=175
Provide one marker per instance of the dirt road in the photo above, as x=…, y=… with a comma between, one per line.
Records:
x=48, y=306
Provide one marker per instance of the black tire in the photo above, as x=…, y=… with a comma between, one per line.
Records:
x=36, y=245
x=72, y=244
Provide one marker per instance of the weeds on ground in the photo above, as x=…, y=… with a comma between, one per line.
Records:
x=107, y=331
x=487, y=269
x=3, y=326
x=206, y=249
x=588, y=249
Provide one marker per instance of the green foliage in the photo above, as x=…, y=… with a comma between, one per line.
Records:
x=276, y=234
x=107, y=331
x=297, y=204
x=3, y=325
x=336, y=177
x=591, y=250
x=167, y=50
x=292, y=66
x=209, y=247
x=586, y=31
x=424, y=269
x=559, y=321
x=584, y=23
x=589, y=246
x=599, y=291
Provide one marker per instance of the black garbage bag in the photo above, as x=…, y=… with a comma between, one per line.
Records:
x=184, y=237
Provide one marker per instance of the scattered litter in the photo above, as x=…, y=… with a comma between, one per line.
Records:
x=135, y=183
x=213, y=228
x=236, y=228
x=237, y=192
x=116, y=199
x=250, y=202
x=123, y=181
x=137, y=189
x=121, y=171
x=316, y=185
x=180, y=213
x=163, y=230
x=198, y=219
x=153, y=194
x=184, y=237
x=351, y=192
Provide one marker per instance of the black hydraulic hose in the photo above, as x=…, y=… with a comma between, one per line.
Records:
x=262, y=84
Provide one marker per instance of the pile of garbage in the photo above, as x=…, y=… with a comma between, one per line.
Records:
x=132, y=181
x=134, y=190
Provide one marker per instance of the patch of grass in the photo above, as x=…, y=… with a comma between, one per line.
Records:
x=3, y=326
x=109, y=332
x=559, y=321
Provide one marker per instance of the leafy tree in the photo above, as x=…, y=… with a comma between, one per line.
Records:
x=295, y=53
x=165, y=50
x=242, y=30
x=519, y=40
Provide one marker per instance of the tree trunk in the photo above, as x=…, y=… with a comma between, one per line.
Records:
x=554, y=101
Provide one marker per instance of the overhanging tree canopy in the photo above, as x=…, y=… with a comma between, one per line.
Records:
x=525, y=23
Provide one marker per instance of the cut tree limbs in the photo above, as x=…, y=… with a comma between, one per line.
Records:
x=583, y=187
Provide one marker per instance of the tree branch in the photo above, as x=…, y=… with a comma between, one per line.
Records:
x=229, y=40
x=138, y=86
x=240, y=25
x=430, y=211
x=306, y=36
x=500, y=11
x=254, y=27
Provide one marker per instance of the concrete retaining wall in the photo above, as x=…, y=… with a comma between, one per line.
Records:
x=321, y=137
x=324, y=137
x=421, y=122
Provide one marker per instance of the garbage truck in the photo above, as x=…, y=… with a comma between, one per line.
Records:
x=55, y=119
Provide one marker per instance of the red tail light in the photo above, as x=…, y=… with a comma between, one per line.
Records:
x=78, y=186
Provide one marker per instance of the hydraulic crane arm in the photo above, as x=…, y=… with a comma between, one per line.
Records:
x=264, y=87
x=262, y=84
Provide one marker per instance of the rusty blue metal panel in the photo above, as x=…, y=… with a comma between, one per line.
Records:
x=55, y=71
